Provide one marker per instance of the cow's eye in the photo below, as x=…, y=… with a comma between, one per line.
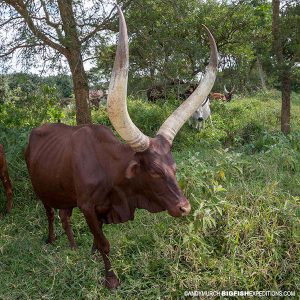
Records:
x=155, y=174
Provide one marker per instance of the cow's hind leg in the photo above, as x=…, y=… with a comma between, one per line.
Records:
x=50, y=216
x=102, y=244
x=94, y=247
x=65, y=215
x=9, y=196
x=8, y=190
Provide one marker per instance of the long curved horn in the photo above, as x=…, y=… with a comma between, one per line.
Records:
x=225, y=90
x=175, y=121
x=117, y=94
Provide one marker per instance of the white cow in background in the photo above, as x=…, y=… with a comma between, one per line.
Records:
x=197, y=120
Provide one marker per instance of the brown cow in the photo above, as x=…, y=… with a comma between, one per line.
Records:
x=156, y=92
x=217, y=96
x=5, y=179
x=97, y=96
x=88, y=167
x=227, y=96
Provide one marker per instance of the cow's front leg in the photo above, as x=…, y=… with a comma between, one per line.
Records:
x=199, y=125
x=9, y=196
x=101, y=244
x=94, y=247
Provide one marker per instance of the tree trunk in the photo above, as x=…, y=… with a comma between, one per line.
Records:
x=286, y=102
x=72, y=43
x=283, y=69
x=81, y=88
x=261, y=74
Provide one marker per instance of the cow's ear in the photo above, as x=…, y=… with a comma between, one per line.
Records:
x=132, y=169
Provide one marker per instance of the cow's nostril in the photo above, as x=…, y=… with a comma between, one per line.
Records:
x=183, y=209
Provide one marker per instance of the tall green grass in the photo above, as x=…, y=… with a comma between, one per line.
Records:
x=242, y=178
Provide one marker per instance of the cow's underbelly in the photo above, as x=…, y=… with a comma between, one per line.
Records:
x=54, y=192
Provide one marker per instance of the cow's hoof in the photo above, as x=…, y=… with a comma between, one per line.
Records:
x=73, y=246
x=112, y=282
x=50, y=240
x=94, y=250
x=9, y=208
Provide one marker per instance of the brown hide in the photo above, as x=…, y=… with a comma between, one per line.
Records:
x=217, y=96
x=5, y=179
x=224, y=97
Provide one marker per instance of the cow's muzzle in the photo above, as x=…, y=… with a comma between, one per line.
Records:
x=183, y=208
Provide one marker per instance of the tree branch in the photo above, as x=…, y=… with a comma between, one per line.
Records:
x=52, y=24
x=9, y=20
x=20, y=7
x=102, y=26
x=105, y=24
x=13, y=49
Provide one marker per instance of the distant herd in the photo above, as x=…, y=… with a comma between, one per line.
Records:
x=87, y=167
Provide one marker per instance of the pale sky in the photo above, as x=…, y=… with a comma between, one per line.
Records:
x=17, y=65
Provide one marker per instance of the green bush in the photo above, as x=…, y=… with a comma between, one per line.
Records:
x=40, y=107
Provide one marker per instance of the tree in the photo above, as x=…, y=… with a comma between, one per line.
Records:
x=55, y=29
x=62, y=83
x=168, y=43
x=286, y=41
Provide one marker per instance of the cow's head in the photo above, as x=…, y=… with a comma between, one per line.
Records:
x=203, y=111
x=228, y=95
x=153, y=175
x=153, y=168
x=198, y=115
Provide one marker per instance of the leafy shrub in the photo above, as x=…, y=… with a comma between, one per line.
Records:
x=40, y=107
